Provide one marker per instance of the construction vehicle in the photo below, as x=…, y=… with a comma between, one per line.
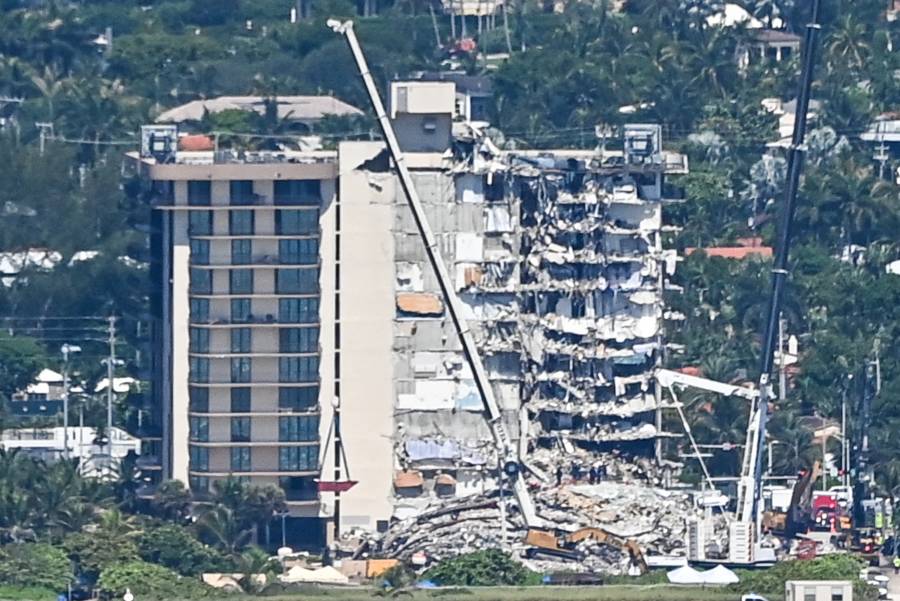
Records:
x=745, y=529
x=544, y=542
x=509, y=453
x=796, y=516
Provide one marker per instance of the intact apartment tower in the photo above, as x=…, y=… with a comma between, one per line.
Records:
x=286, y=281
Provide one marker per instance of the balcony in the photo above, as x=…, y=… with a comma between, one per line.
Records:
x=262, y=261
x=148, y=462
x=251, y=320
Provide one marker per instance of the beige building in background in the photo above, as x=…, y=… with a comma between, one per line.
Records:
x=245, y=369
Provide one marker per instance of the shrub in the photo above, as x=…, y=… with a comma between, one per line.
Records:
x=35, y=565
x=146, y=580
x=770, y=582
x=482, y=568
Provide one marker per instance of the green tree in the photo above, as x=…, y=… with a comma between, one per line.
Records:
x=174, y=547
x=490, y=567
x=35, y=565
x=171, y=501
x=21, y=358
x=149, y=581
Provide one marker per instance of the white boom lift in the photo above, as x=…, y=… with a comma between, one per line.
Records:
x=512, y=463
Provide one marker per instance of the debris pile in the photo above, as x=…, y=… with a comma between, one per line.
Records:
x=654, y=518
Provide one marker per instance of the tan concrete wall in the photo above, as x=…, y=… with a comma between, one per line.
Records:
x=367, y=312
x=180, y=343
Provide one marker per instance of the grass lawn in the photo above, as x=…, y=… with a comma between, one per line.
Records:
x=537, y=593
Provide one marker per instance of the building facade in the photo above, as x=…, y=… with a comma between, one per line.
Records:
x=293, y=284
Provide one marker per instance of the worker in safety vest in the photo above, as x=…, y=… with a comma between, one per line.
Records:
x=896, y=564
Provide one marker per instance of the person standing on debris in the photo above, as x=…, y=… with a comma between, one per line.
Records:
x=559, y=475
x=576, y=472
x=592, y=475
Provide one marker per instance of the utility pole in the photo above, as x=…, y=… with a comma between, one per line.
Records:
x=67, y=350
x=782, y=376
x=110, y=377
x=43, y=128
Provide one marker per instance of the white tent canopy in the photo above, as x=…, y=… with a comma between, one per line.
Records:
x=685, y=575
x=718, y=576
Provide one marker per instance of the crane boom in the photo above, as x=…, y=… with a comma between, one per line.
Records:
x=668, y=378
x=492, y=410
x=749, y=485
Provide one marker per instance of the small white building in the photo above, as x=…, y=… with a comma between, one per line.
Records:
x=49, y=444
x=818, y=590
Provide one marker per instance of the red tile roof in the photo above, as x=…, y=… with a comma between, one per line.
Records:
x=733, y=252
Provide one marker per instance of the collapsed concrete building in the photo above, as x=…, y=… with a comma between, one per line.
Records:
x=558, y=260
x=295, y=284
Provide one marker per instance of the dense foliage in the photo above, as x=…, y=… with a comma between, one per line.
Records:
x=490, y=567
x=35, y=565
x=770, y=583
x=150, y=581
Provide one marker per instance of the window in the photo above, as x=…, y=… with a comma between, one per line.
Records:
x=240, y=223
x=200, y=223
x=240, y=400
x=199, y=308
x=200, y=252
x=298, y=310
x=241, y=252
x=241, y=281
x=298, y=428
x=199, y=193
x=293, y=223
x=199, y=428
x=837, y=594
x=240, y=429
x=199, y=483
x=201, y=281
x=199, y=457
x=296, y=281
x=240, y=459
x=298, y=340
x=298, y=252
x=199, y=369
x=809, y=596
x=240, y=310
x=241, y=192
x=478, y=106
x=199, y=399
x=240, y=369
x=199, y=340
x=298, y=399
x=298, y=369
x=240, y=340
x=298, y=192
x=298, y=459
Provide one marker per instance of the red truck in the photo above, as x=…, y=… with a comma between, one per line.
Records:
x=824, y=511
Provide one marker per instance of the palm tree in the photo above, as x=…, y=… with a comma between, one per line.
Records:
x=49, y=84
x=224, y=529
x=848, y=44
x=171, y=501
x=253, y=563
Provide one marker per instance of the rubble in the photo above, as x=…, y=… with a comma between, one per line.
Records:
x=558, y=262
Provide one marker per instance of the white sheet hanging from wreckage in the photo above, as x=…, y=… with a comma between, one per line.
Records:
x=497, y=219
x=470, y=188
x=441, y=395
x=469, y=248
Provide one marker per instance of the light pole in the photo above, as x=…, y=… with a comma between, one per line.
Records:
x=111, y=363
x=67, y=350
